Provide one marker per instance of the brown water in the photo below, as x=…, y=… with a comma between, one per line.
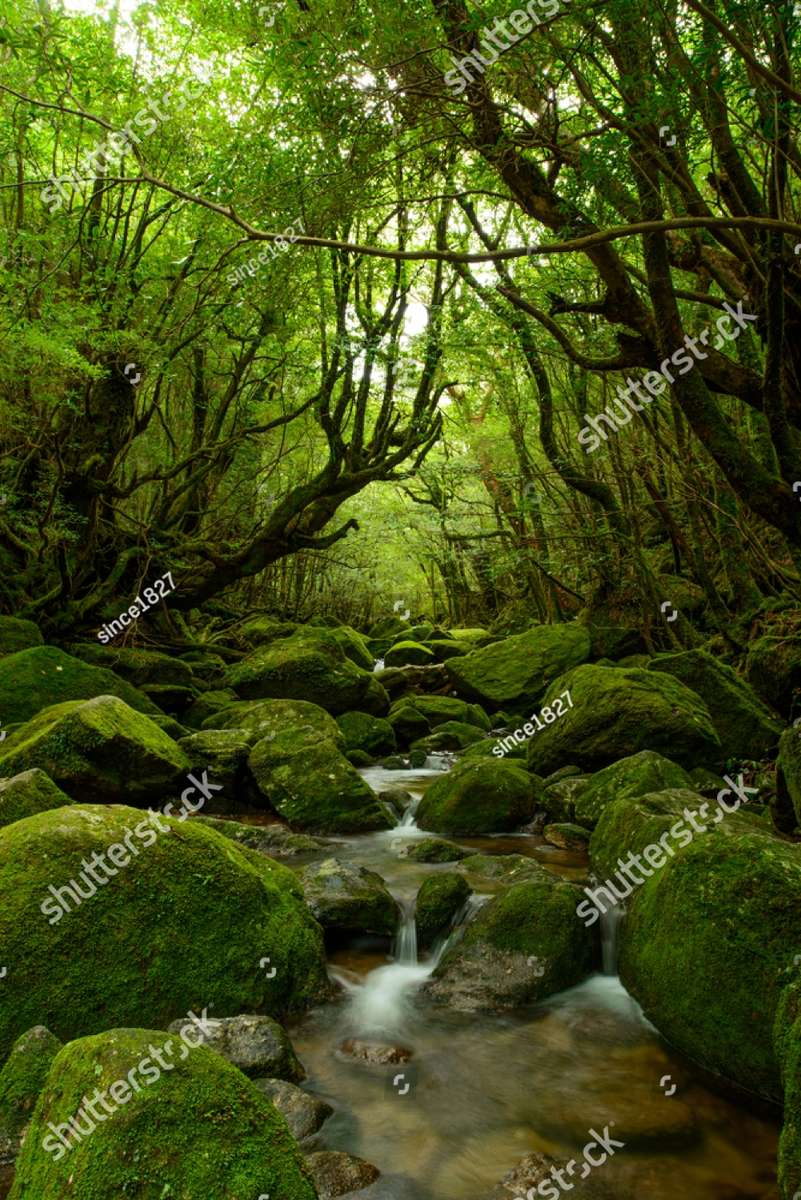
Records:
x=482, y=1091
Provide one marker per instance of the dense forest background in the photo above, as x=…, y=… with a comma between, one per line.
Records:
x=320, y=334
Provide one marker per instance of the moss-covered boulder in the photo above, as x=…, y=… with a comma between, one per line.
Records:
x=787, y=1047
x=98, y=751
x=444, y=648
x=224, y=754
x=208, y=706
x=275, y=719
x=707, y=944
x=435, y=850
x=182, y=920
x=17, y=634
x=617, y=712
x=254, y=1043
x=517, y=670
x=276, y=841
x=745, y=726
x=315, y=788
x=439, y=710
x=524, y=945
x=309, y=665
x=261, y=628
x=35, y=679
x=478, y=797
x=439, y=899
x=140, y=667
x=28, y=793
x=414, y=633
x=773, y=668
x=634, y=775
x=408, y=723
x=559, y=798
x=788, y=771
x=198, y=1127
x=567, y=836
x=21, y=1080
x=408, y=653
x=354, y=647
x=349, y=899
x=373, y=735
x=630, y=824
x=450, y=735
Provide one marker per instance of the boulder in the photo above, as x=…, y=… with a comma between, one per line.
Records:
x=276, y=841
x=28, y=793
x=617, y=712
x=517, y=670
x=17, y=634
x=434, y=850
x=444, y=648
x=723, y=917
x=31, y=680
x=773, y=668
x=309, y=665
x=21, y=1080
x=173, y=915
x=560, y=798
x=567, y=836
x=349, y=899
x=439, y=899
x=745, y=726
x=98, y=751
x=139, y=667
x=261, y=628
x=224, y=754
x=354, y=646
x=406, y=653
x=207, y=707
x=257, y=1045
x=478, y=797
x=315, y=788
x=298, y=721
x=634, y=775
x=336, y=1173
x=450, y=735
x=441, y=710
x=372, y=735
x=196, y=1128
x=304, y=1114
x=788, y=772
x=488, y=872
x=525, y=944
x=408, y=723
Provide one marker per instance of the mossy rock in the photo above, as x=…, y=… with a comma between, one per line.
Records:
x=349, y=899
x=441, y=709
x=618, y=712
x=224, y=754
x=359, y=758
x=787, y=1046
x=273, y=719
x=417, y=757
x=388, y=628
x=745, y=726
x=138, y=667
x=450, y=735
x=361, y=731
x=414, y=633
x=21, y=1080
x=28, y=793
x=184, y=923
x=208, y=706
x=171, y=697
x=444, y=648
x=567, y=836
x=633, y=822
x=478, y=797
x=260, y=629
x=486, y=871
x=559, y=799
x=197, y=1128
x=475, y=635
x=485, y=749
x=354, y=647
x=435, y=850
x=254, y=1043
x=408, y=723
x=439, y=899
x=407, y=653
x=525, y=944
x=315, y=788
x=773, y=668
x=35, y=679
x=707, y=945
x=17, y=634
x=788, y=771
x=634, y=775
x=517, y=670
x=310, y=665
x=276, y=841
x=98, y=751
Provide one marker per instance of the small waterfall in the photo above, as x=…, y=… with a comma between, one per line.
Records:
x=610, y=928
x=378, y=665
x=406, y=937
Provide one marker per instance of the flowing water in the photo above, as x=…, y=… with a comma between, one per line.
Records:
x=480, y=1091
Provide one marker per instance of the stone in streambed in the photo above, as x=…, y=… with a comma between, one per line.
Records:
x=559, y=798
x=434, y=850
x=294, y=722
x=28, y=793
x=567, y=836
x=372, y=735
x=21, y=1080
x=635, y=775
x=439, y=899
x=199, y=1128
x=256, y=1044
x=517, y=670
x=349, y=899
x=208, y=708
x=276, y=841
x=478, y=797
x=375, y=1054
x=408, y=653
x=304, y=1114
x=451, y=735
x=336, y=1173
x=224, y=754
x=42, y=676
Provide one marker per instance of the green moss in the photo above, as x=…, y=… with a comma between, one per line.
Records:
x=273, y=840
x=787, y=1046
x=438, y=901
x=97, y=750
x=22, y=1079
x=34, y=679
x=349, y=899
x=373, y=735
x=354, y=647
x=517, y=670
x=634, y=775
x=450, y=735
x=435, y=850
x=138, y=666
x=478, y=797
x=199, y=1129
x=567, y=836
x=407, y=653
x=184, y=924
x=16, y=634
x=773, y=667
x=28, y=793
x=441, y=709
x=788, y=776
x=208, y=707
x=617, y=712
